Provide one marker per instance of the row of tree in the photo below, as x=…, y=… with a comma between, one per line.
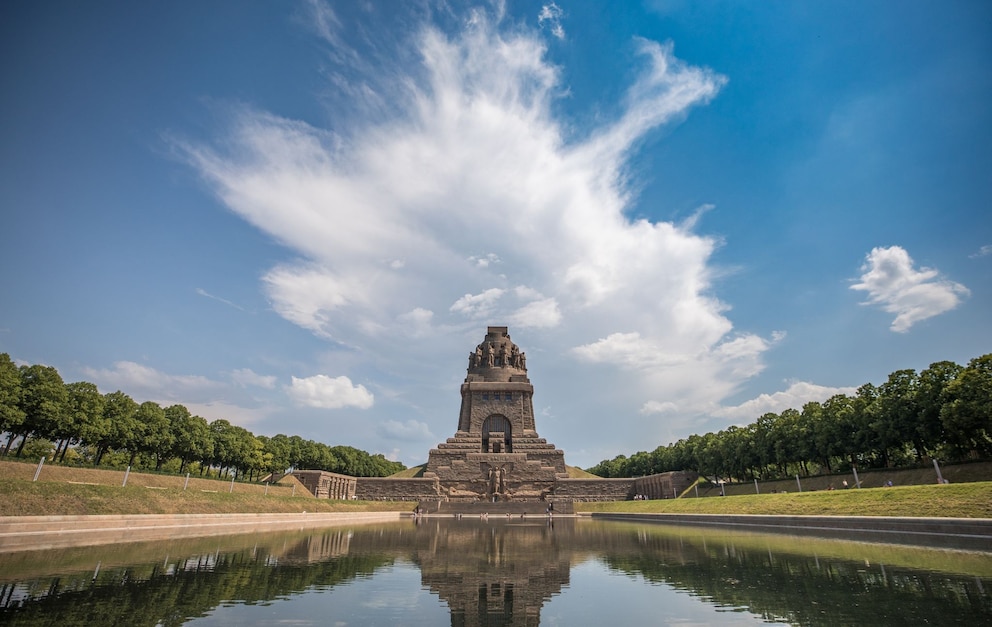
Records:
x=942, y=412
x=35, y=404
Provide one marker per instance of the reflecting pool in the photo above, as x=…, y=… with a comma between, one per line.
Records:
x=498, y=572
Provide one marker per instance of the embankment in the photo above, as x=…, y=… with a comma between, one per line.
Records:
x=959, y=533
x=18, y=533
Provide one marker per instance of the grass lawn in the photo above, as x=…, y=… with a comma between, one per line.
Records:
x=26, y=498
x=961, y=500
x=67, y=490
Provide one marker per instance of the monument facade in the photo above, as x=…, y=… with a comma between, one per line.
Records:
x=496, y=453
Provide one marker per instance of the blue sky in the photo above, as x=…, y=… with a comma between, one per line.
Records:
x=301, y=217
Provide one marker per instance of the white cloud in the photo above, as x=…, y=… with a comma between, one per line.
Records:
x=913, y=295
x=484, y=260
x=984, y=251
x=417, y=321
x=201, y=395
x=659, y=407
x=477, y=305
x=144, y=382
x=247, y=417
x=550, y=16
x=795, y=396
x=469, y=156
x=408, y=431
x=538, y=314
x=327, y=392
x=246, y=377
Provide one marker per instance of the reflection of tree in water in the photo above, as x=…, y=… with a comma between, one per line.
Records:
x=496, y=573
x=170, y=594
x=805, y=589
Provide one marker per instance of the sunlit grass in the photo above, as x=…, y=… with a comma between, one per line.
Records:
x=25, y=498
x=963, y=500
x=19, y=496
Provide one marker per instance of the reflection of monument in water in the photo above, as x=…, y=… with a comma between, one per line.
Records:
x=496, y=453
x=497, y=574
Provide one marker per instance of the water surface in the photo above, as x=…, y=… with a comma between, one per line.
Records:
x=498, y=572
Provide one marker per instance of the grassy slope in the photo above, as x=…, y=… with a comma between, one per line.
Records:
x=963, y=500
x=24, y=498
x=578, y=473
x=55, y=493
x=68, y=490
x=410, y=473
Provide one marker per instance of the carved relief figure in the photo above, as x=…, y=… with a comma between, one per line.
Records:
x=496, y=478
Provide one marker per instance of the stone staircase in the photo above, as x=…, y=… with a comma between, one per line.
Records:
x=501, y=508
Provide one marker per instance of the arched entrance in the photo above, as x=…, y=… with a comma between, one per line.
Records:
x=496, y=432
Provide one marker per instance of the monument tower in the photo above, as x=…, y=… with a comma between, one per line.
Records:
x=496, y=453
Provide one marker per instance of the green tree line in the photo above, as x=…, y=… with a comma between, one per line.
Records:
x=74, y=421
x=943, y=412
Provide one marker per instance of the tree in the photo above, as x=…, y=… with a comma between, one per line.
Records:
x=235, y=447
x=85, y=412
x=930, y=398
x=191, y=437
x=279, y=448
x=896, y=413
x=44, y=401
x=11, y=414
x=741, y=457
x=967, y=416
x=865, y=438
x=123, y=429
x=155, y=436
x=788, y=440
x=839, y=420
x=826, y=433
x=764, y=441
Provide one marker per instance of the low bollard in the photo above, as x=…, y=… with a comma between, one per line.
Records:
x=42, y=463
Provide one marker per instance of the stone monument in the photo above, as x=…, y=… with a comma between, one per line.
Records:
x=496, y=454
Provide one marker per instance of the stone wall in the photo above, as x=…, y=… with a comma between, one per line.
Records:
x=666, y=485
x=660, y=486
x=327, y=485
x=594, y=489
x=388, y=489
